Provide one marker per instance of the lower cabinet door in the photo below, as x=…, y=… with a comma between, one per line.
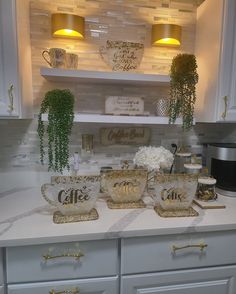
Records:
x=86, y=286
x=220, y=280
x=1, y=290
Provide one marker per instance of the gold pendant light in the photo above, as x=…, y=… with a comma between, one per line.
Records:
x=67, y=26
x=168, y=35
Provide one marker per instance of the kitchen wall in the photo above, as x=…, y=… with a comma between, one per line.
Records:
x=116, y=20
x=109, y=20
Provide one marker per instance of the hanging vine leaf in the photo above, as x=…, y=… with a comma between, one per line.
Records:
x=59, y=105
x=183, y=80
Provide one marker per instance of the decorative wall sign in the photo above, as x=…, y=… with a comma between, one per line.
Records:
x=125, y=136
x=122, y=56
x=121, y=105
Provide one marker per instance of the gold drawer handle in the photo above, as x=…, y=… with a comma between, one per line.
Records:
x=224, y=113
x=76, y=256
x=11, y=98
x=72, y=291
x=202, y=246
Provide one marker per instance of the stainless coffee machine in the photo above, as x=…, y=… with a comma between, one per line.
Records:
x=221, y=163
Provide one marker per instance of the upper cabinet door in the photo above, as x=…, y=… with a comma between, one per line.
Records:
x=9, y=98
x=15, y=60
x=216, y=58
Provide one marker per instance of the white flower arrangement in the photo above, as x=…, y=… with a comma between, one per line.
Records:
x=153, y=158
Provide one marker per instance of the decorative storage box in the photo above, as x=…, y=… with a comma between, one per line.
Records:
x=175, y=191
x=126, y=186
x=73, y=196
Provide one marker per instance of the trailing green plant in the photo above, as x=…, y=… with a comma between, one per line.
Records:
x=59, y=106
x=183, y=80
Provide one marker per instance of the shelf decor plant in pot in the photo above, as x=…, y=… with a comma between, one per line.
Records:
x=59, y=105
x=183, y=80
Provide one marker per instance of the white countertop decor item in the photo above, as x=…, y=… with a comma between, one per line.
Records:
x=72, y=195
x=192, y=168
x=124, y=105
x=162, y=106
x=154, y=158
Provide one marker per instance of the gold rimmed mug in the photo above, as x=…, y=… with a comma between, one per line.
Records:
x=55, y=57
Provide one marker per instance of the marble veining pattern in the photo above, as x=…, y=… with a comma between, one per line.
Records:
x=16, y=224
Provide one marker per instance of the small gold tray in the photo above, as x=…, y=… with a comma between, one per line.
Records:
x=59, y=218
x=128, y=205
x=176, y=213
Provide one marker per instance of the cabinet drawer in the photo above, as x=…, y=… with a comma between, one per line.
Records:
x=147, y=254
x=26, y=264
x=217, y=280
x=92, y=286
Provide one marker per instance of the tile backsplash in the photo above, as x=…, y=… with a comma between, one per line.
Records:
x=126, y=20
x=19, y=148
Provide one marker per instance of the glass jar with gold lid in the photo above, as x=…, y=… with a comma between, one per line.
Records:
x=206, y=189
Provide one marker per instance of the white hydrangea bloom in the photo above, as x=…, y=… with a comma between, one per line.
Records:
x=154, y=158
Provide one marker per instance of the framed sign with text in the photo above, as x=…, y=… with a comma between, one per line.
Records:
x=125, y=136
x=122, y=105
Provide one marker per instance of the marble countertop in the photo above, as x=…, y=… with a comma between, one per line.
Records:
x=26, y=219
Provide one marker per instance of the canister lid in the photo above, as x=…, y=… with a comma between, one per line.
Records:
x=206, y=180
x=192, y=166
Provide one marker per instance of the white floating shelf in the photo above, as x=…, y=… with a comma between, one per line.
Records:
x=101, y=77
x=119, y=119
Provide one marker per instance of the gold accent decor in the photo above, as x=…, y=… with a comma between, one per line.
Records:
x=126, y=185
x=175, y=191
x=189, y=212
x=67, y=26
x=223, y=115
x=59, y=218
x=76, y=256
x=209, y=204
x=127, y=205
x=201, y=246
x=11, y=99
x=72, y=291
x=166, y=35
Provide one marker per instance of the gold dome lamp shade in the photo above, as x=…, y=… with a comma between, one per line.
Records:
x=166, y=35
x=67, y=26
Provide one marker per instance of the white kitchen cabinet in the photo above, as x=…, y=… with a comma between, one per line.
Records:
x=218, y=280
x=215, y=49
x=15, y=60
x=72, y=267
x=179, y=264
x=108, y=285
x=29, y=263
x=156, y=253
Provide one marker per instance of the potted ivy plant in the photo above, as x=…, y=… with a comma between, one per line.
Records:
x=183, y=80
x=59, y=106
